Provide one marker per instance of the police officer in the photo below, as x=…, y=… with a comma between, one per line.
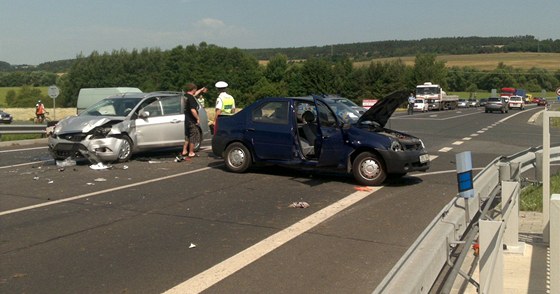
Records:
x=225, y=104
x=411, y=100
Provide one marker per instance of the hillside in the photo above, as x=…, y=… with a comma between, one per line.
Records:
x=522, y=60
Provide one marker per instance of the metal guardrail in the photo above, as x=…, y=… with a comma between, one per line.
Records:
x=23, y=129
x=415, y=271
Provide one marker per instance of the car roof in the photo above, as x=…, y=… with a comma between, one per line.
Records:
x=145, y=95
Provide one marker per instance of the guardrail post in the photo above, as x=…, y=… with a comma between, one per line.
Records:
x=555, y=243
x=505, y=171
x=538, y=166
x=491, y=262
x=510, y=198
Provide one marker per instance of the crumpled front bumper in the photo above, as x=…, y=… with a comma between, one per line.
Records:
x=95, y=150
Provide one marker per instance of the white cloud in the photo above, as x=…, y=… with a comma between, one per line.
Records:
x=210, y=23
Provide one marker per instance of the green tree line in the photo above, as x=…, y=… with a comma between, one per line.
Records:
x=203, y=64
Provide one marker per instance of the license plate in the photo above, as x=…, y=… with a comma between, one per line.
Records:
x=424, y=158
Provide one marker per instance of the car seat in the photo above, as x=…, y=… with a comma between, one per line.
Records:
x=309, y=131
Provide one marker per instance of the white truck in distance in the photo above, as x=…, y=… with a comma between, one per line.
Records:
x=437, y=98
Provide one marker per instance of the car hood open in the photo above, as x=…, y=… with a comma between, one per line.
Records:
x=382, y=110
x=83, y=124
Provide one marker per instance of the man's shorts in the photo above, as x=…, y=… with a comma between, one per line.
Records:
x=191, y=132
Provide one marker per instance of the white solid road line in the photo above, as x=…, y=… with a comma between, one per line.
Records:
x=49, y=203
x=235, y=263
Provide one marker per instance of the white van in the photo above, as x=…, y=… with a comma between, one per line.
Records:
x=89, y=96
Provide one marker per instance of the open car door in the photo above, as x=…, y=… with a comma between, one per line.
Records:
x=330, y=143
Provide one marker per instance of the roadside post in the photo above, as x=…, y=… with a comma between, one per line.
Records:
x=53, y=93
x=463, y=162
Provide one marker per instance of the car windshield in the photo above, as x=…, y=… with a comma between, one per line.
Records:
x=419, y=101
x=111, y=107
x=427, y=90
x=344, y=112
x=346, y=102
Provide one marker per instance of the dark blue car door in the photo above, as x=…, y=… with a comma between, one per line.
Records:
x=330, y=141
x=271, y=132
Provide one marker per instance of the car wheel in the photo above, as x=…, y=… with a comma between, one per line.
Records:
x=238, y=158
x=125, y=151
x=368, y=169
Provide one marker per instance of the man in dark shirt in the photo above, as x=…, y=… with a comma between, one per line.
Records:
x=192, y=120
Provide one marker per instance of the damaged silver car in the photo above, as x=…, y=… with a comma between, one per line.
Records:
x=117, y=127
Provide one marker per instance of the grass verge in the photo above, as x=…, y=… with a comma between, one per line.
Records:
x=531, y=197
x=16, y=137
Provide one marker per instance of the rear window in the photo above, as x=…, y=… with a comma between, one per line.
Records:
x=494, y=100
x=515, y=99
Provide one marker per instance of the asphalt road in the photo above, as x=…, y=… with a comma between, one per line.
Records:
x=151, y=224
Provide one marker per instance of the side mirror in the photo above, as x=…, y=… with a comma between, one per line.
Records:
x=144, y=114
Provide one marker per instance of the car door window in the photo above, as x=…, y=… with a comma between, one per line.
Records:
x=326, y=117
x=171, y=105
x=152, y=106
x=275, y=112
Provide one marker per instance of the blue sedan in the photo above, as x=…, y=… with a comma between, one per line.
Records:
x=311, y=133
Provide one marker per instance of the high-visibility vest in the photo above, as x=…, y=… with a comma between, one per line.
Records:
x=228, y=104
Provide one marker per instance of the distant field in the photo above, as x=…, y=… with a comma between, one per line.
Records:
x=4, y=91
x=548, y=61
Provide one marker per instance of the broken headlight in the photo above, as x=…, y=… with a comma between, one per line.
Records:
x=396, y=145
x=100, y=132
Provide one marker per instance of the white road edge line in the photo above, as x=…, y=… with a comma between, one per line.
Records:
x=220, y=271
x=49, y=203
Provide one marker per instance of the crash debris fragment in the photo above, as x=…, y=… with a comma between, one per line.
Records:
x=300, y=204
x=99, y=166
x=66, y=162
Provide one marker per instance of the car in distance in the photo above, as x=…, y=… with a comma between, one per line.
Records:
x=542, y=102
x=474, y=102
x=5, y=117
x=114, y=128
x=496, y=104
x=420, y=105
x=482, y=101
x=516, y=102
x=462, y=103
x=305, y=133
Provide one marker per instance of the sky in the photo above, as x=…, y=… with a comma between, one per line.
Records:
x=37, y=31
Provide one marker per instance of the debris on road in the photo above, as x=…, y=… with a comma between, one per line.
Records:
x=363, y=188
x=66, y=162
x=99, y=166
x=300, y=204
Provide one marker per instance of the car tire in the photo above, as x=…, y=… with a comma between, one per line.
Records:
x=238, y=158
x=125, y=150
x=368, y=169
